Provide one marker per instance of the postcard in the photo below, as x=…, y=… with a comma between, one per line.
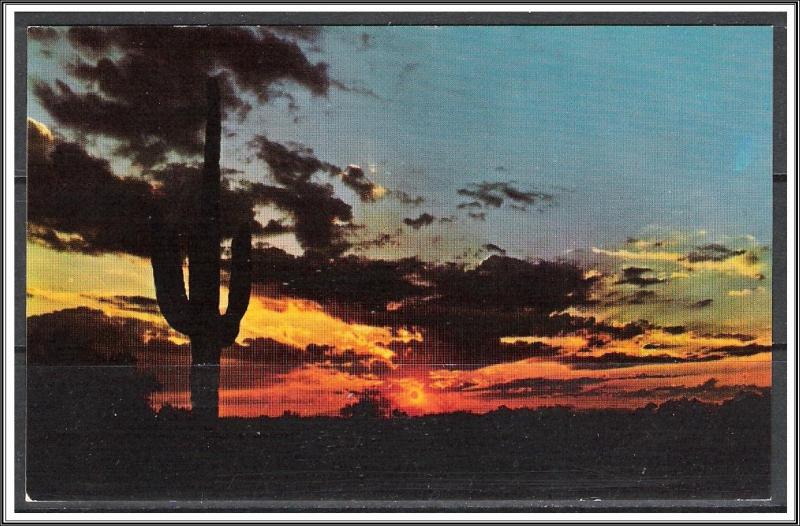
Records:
x=372, y=264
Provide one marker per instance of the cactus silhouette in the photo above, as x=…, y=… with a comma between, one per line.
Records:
x=198, y=315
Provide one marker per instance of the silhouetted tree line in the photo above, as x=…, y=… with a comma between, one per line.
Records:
x=92, y=434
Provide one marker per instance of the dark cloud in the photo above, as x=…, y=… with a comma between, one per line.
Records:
x=628, y=272
x=463, y=312
x=521, y=350
x=406, y=198
x=351, y=280
x=520, y=196
x=360, y=90
x=535, y=387
x=177, y=191
x=276, y=227
x=71, y=192
x=645, y=376
x=634, y=240
x=132, y=303
x=640, y=297
x=382, y=240
x=280, y=357
x=735, y=335
x=650, y=346
x=354, y=178
x=87, y=336
x=713, y=252
x=742, y=350
x=351, y=362
x=708, y=390
x=460, y=338
x=149, y=82
x=422, y=220
x=305, y=33
x=507, y=283
x=594, y=341
x=291, y=162
x=448, y=219
x=50, y=238
x=701, y=304
x=483, y=195
x=464, y=342
x=641, y=276
x=463, y=386
x=291, y=101
x=84, y=336
x=618, y=360
x=491, y=247
x=563, y=323
x=321, y=220
x=495, y=193
x=479, y=216
x=42, y=34
x=500, y=283
x=225, y=172
x=471, y=204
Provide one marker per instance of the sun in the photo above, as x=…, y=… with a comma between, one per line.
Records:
x=412, y=392
x=416, y=396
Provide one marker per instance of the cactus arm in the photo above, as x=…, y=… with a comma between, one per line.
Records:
x=168, y=278
x=239, y=289
x=239, y=285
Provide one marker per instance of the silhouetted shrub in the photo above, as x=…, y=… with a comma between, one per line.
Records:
x=369, y=405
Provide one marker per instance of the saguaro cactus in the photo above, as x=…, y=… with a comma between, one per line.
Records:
x=198, y=315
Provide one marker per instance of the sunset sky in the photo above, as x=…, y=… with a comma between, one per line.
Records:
x=457, y=218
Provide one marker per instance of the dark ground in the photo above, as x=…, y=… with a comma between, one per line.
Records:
x=93, y=440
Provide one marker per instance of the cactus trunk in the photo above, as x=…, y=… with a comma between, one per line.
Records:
x=198, y=315
x=204, y=378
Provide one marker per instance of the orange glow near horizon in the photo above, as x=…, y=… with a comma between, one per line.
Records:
x=380, y=363
x=252, y=391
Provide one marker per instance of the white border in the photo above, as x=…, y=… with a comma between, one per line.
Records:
x=9, y=515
